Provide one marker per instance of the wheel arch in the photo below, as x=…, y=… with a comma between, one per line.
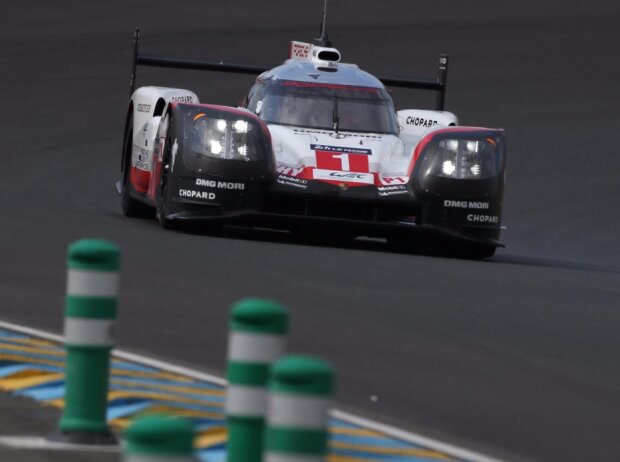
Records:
x=159, y=107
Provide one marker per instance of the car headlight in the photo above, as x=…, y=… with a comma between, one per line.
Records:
x=229, y=139
x=467, y=159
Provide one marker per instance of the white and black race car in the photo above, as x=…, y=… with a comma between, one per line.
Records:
x=317, y=145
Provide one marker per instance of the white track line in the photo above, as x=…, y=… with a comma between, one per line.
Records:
x=388, y=430
x=414, y=438
x=36, y=442
x=122, y=355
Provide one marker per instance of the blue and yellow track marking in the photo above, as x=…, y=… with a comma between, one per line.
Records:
x=34, y=368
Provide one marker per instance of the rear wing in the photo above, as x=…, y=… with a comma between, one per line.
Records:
x=438, y=84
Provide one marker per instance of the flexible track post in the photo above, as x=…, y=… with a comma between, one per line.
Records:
x=297, y=416
x=159, y=439
x=257, y=338
x=90, y=314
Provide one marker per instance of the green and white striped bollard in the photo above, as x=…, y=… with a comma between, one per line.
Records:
x=257, y=338
x=159, y=439
x=297, y=416
x=90, y=312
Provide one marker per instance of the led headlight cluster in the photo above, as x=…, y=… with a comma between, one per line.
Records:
x=224, y=139
x=464, y=159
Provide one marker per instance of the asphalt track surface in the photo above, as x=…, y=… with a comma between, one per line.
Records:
x=518, y=357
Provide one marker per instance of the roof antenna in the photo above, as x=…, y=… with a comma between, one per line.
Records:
x=323, y=40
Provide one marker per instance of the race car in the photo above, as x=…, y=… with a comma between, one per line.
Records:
x=318, y=148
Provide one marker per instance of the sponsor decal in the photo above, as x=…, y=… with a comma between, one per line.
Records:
x=191, y=194
x=290, y=181
x=339, y=149
x=344, y=159
x=144, y=108
x=351, y=177
x=301, y=131
x=466, y=204
x=482, y=218
x=393, y=179
x=290, y=171
x=299, y=50
x=420, y=122
x=331, y=86
x=392, y=190
x=220, y=184
x=144, y=159
x=182, y=99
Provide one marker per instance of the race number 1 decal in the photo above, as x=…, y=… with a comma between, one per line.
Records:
x=342, y=159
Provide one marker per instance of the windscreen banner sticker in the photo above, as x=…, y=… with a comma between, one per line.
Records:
x=339, y=135
x=342, y=159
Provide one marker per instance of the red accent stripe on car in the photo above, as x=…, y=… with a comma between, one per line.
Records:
x=139, y=179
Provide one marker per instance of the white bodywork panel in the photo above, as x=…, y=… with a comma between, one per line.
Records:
x=144, y=142
x=313, y=154
x=418, y=121
x=145, y=126
x=350, y=157
x=347, y=157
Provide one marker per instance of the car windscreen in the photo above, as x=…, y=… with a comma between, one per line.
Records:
x=328, y=106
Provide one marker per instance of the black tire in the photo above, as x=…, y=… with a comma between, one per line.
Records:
x=321, y=237
x=466, y=251
x=440, y=248
x=210, y=228
x=405, y=243
x=131, y=207
x=475, y=252
x=162, y=191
